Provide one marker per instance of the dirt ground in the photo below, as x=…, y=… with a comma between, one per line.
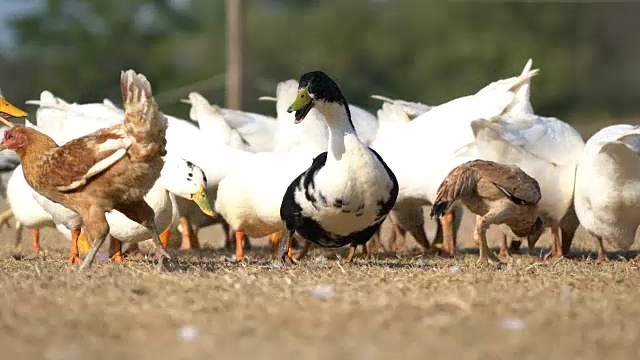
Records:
x=207, y=306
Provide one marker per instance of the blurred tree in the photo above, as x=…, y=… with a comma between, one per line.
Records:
x=77, y=48
x=430, y=51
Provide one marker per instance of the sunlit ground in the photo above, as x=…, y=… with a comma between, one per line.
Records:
x=207, y=306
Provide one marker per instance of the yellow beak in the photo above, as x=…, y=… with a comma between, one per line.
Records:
x=7, y=108
x=201, y=199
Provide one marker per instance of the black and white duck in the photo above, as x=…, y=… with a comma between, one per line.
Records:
x=347, y=192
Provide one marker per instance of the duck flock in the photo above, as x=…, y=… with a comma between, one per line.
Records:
x=323, y=171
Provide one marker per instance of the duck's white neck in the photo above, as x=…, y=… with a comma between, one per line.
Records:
x=172, y=178
x=163, y=183
x=342, y=135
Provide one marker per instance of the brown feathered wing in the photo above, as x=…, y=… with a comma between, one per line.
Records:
x=70, y=167
x=512, y=181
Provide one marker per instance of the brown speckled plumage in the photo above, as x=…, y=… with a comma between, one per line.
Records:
x=497, y=193
x=60, y=172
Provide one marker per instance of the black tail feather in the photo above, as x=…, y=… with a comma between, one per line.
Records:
x=516, y=200
x=438, y=209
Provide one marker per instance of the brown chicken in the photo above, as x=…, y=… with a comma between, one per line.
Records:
x=497, y=194
x=110, y=169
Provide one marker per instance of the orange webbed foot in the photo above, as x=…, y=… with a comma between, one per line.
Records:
x=75, y=260
x=74, y=256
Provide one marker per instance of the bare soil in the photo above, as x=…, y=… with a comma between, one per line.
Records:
x=204, y=305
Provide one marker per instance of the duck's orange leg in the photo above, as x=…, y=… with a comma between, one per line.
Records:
x=115, y=250
x=274, y=240
x=74, y=256
x=189, y=239
x=352, y=252
x=36, y=240
x=83, y=243
x=164, y=237
x=239, y=249
x=448, y=237
x=285, y=250
x=556, y=244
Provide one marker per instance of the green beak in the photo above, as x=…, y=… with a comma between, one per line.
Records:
x=301, y=105
x=201, y=199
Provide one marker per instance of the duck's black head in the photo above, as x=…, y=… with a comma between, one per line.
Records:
x=315, y=86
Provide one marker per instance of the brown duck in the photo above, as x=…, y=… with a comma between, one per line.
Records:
x=497, y=194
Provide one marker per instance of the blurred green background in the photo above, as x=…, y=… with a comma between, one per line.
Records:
x=421, y=50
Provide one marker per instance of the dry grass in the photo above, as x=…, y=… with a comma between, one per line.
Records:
x=391, y=307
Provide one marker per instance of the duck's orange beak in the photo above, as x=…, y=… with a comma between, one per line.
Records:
x=8, y=110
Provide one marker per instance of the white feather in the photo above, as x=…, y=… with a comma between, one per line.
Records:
x=607, y=188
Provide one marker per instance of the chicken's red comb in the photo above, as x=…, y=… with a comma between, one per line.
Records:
x=5, y=136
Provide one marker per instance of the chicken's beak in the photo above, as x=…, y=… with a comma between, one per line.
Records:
x=201, y=199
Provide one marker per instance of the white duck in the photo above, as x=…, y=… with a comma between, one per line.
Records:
x=437, y=136
x=69, y=121
x=210, y=122
x=244, y=130
x=547, y=149
x=410, y=109
x=27, y=212
x=313, y=131
x=520, y=127
x=607, y=189
x=251, y=205
x=178, y=178
x=256, y=130
x=392, y=117
x=231, y=151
